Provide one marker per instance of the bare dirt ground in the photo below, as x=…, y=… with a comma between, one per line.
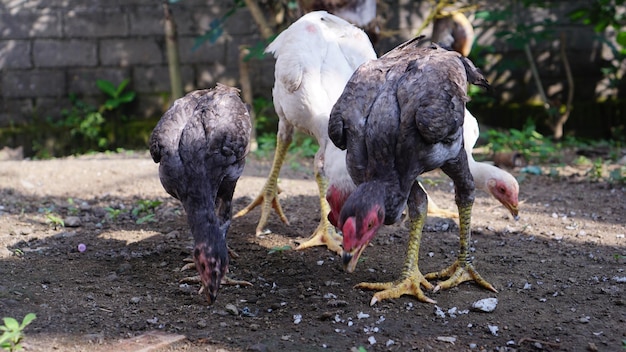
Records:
x=560, y=269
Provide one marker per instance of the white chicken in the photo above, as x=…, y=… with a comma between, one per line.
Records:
x=315, y=57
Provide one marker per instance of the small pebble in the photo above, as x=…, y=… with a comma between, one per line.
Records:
x=493, y=329
x=82, y=247
x=449, y=339
x=232, y=309
x=362, y=315
x=584, y=320
x=72, y=221
x=487, y=305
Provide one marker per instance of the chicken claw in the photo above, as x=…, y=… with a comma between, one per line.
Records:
x=196, y=279
x=225, y=281
x=462, y=269
x=411, y=285
x=324, y=235
x=457, y=274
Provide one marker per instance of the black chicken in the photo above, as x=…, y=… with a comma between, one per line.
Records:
x=398, y=117
x=201, y=143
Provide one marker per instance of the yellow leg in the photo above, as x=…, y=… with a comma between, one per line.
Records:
x=325, y=234
x=269, y=195
x=412, y=279
x=462, y=269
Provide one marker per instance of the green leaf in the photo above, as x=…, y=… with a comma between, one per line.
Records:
x=28, y=319
x=121, y=87
x=5, y=345
x=621, y=38
x=106, y=87
x=601, y=25
x=11, y=323
x=126, y=97
x=147, y=218
x=579, y=14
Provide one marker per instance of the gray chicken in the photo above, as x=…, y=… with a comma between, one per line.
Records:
x=398, y=117
x=201, y=144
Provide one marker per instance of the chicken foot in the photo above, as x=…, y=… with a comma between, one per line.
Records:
x=412, y=278
x=268, y=198
x=196, y=278
x=325, y=234
x=462, y=269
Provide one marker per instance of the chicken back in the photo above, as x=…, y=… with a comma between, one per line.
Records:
x=200, y=144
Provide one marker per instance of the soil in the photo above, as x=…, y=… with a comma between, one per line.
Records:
x=559, y=270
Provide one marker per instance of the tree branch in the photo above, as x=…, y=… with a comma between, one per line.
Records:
x=173, y=61
x=259, y=18
x=536, y=78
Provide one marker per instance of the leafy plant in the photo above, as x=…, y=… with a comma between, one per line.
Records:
x=146, y=207
x=304, y=146
x=116, y=95
x=595, y=173
x=83, y=121
x=72, y=209
x=147, y=218
x=56, y=221
x=618, y=175
x=113, y=213
x=527, y=141
x=266, y=121
x=51, y=218
x=86, y=123
x=13, y=332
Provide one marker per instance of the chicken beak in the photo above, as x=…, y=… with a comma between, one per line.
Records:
x=350, y=259
x=514, y=211
x=210, y=297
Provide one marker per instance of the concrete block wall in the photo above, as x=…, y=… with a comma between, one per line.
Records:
x=50, y=49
